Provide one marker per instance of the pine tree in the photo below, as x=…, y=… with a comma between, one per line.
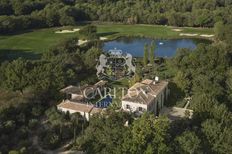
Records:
x=145, y=56
x=152, y=52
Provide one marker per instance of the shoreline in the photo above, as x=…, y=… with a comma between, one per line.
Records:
x=165, y=38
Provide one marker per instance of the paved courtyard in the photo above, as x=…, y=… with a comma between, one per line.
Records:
x=175, y=113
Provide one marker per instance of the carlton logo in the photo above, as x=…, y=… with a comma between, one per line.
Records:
x=115, y=65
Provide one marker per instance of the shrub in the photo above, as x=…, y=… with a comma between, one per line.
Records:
x=89, y=32
x=33, y=123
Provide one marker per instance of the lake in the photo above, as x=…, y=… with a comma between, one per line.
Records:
x=164, y=48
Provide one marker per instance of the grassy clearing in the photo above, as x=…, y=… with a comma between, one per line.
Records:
x=32, y=44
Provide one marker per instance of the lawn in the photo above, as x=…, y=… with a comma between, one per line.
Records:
x=152, y=31
x=32, y=44
x=137, y=30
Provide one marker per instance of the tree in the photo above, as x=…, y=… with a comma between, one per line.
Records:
x=91, y=56
x=176, y=19
x=52, y=18
x=228, y=35
x=203, y=18
x=66, y=20
x=16, y=75
x=5, y=7
x=105, y=133
x=51, y=14
x=136, y=78
x=145, y=56
x=148, y=134
x=66, y=46
x=57, y=119
x=218, y=135
x=229, y=83
x=189, y=142
x=66, y=17
x=20, y=8
x=89, y=32
x=152, y=53
x=75, y=121
x=48, y=77
x=218, y=30
x=183, y=81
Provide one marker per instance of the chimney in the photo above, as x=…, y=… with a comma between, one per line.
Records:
x=156, y=79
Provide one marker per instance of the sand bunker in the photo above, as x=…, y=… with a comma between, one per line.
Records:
x=204, y=35
x=76, y=29
x=67, y=31
x=177, y=30
x=103, y=38
x=187, y=34
x=80, y=42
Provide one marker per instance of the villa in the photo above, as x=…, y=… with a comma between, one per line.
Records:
x=148, y=95
x=77, y=99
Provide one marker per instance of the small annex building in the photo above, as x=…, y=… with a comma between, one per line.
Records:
x=77, y=99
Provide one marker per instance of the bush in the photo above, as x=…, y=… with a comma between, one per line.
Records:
x=89, y=32
x=33, y=123
x=22, y=132
x=51, y=140
x=37, y=111
x=14, y=152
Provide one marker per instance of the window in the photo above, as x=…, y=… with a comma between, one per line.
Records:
x=140, y=109
x=69, y=96
x=127, y=106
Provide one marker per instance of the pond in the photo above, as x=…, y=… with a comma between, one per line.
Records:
x=164, y=48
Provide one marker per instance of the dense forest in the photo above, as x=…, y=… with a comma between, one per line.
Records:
x=17, y=15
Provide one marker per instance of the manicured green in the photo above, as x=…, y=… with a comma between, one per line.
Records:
x=29, y=43
x=33, y=43
x=153, y=31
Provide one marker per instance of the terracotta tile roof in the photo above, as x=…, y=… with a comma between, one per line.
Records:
x=147, y=81
x=158, y=87
x=140, y=98
x=80, y=99
x=79, y=107
x=145, y=92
